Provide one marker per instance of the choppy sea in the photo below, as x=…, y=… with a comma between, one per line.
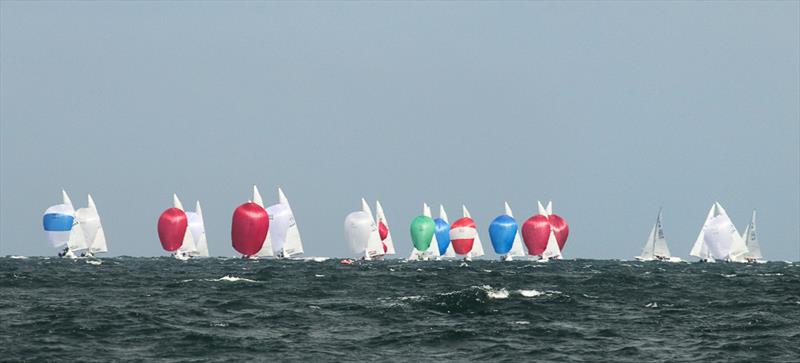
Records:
x=232, y=310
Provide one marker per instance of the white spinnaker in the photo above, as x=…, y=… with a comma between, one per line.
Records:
x=266, y=248
x=280, y=218
x=201, y=244
x=450, y=252
x=660, y=247
x=738, y=246
x=477, y=246
x=698, y=248
x=292, y=245
x=517, y=248
x=359, y=228
x=649, y=246
x=59, y=238
x=382, y=219
x=751, y=238
x=717, y=236
x=433, y=248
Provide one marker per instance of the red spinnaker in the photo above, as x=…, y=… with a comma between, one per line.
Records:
x=171, y=228
x=249, y=228
x=560, y=230
x=462, y=235
x=535, y=232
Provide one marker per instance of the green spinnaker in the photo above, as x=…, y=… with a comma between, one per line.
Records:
x=422, y=230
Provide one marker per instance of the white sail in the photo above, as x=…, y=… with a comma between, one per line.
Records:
x=381, y=218
x=266, y=248
x=549, y=208
x=374, y=244
x=660, y=248
x=699, y=249
x=360, y=232
x=176, y=203
x=477, y=246
x=738, y=245
x=541, y=208
x=450, y=252
x=433, y=248
x=60, y=236
x=751, y=238
x=552, y=250
x=89, y=220
x=517, y=247
x=649, y=247
x=292, y=245
x=198, y=230
x=77, y=239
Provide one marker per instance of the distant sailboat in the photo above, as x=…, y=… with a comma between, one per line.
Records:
x=718, y=239
x=552, y=249
x=443, y=234
x=361, y=233
x=188, y=248
x=656, y=246
x=198, y=230
x=517, y=249
x=753, y=254
x=433, y=248
x=62, y=228
x=477, y=246
x=383, y=229
x=92, y=228
x=283, y=238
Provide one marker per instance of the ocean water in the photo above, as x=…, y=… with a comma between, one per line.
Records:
x=232, y=310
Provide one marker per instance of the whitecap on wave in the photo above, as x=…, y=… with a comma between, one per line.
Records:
x=94, y=262
x=530, y=293
x=495, y=293
x=18, y=257
x=233, y=279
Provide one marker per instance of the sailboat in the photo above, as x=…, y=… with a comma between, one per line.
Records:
x=89, y=222
x=62, y=228
x=517, y=249
x=443, y=234
x=477, y=246
x=198, y=230
x=375, y=249
x=283, y=238
x=753, y=254
x=551, y=251
x=718, y=239
x=433, y=248
x=383, y=230
x=188, y=247
x=656, y=246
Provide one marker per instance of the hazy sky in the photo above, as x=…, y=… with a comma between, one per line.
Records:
x=611, y=110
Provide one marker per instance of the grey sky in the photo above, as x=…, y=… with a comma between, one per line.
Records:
x=609, y=109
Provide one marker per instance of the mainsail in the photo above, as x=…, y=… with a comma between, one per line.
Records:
x=198, y=230
x=656, y=245
x=266, y=248
x=92, y=228
x=751, y=238
x=374, y=248
x=383, y=229
x=517, y=248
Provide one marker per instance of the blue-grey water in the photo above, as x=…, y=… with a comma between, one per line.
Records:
x=231, y=310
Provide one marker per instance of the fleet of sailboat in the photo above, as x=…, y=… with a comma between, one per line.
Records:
x=273, y=232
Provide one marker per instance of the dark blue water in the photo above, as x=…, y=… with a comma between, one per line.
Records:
x=140, y=309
